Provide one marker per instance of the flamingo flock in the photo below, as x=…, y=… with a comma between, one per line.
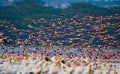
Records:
x=65, y=39
x=61, y=31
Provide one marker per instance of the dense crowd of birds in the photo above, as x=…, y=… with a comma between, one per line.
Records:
x=59, y=60
x=62, y=31
x=68, y=52
x=56, y=65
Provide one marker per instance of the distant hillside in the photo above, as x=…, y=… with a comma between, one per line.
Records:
x=83, y=9
x=65, y=3
x=31, y=9
x=27, y=9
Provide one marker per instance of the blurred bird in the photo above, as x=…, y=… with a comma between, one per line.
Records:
x=3, y=40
